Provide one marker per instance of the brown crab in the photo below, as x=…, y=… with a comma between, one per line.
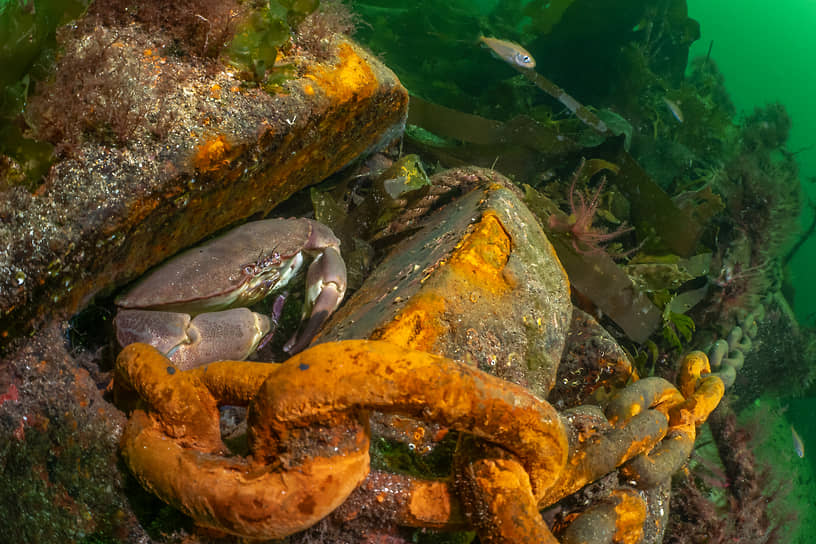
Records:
x=194, y=309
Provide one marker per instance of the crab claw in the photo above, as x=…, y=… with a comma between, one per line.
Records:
x=230, y=334
x=325, y=288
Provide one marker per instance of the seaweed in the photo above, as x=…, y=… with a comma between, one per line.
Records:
x=598, y=278
x=520, y=147
x=752, y=505
x=678, y=328
x=653, y=208
x=94, y=92
x=314, y=33
x=98, y=89
x=27, y=43
x=198, y=27
x=254, y=48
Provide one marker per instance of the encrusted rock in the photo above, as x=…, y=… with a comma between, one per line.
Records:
x=480, y=283
x=106, y=214
x=59, y=461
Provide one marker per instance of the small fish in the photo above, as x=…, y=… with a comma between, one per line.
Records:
x=674, y=109
x=509, y=52
x=798, y=445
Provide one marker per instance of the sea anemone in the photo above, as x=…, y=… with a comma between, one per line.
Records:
x=585, y=239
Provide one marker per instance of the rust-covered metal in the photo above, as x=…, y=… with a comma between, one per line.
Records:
x=685, y=414
x=619, y=518
x=281, y=488
x=309, y=441
x=479, y=282
x=174, y=449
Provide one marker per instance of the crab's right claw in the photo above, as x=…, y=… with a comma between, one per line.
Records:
x=325, y=289
x=231, y=334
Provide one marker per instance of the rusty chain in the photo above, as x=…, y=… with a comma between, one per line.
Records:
x=309, y=437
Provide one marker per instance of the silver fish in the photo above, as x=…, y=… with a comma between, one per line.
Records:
x=674, y=109
x=798, y=445
x=509, y=52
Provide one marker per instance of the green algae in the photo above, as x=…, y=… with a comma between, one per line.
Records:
x=27, y=45
x=56, y=487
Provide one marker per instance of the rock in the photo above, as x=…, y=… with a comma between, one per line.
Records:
x=480, y=283
x=593, y=365
x=59, y=459
x=107, y=213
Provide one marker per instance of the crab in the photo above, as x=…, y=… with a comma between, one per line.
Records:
x=193, y=308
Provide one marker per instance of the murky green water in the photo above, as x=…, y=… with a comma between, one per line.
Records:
x=766, y=52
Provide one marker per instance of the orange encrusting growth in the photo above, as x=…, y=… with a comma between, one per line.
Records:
x=418, y=324
x=214, y=154
x=630, y=513
x=481, y=257
x=332, y=385
x=351, y=78
x=473, y=270
x=175, y=450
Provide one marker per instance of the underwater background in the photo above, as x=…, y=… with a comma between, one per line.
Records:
x=762, y=53
x=747, y=55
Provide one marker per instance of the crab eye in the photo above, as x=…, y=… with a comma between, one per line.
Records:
x=248, y=269
x=272, y=260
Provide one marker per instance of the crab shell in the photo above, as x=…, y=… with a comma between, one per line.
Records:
x=235, y=270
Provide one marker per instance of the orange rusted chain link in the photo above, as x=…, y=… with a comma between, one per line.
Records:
x=596, y=524
x=230, y=386
x=408, y=501
x=283, y=487
x=496, y=494
x=694, y=365
x=309, y=440
x=502, y=508
x=502, y=505
x=600, y=453
x=704, y=394
x=617, y=519
x=653, y=392
x=498, y=501
x=377, y=375
x=176, y=452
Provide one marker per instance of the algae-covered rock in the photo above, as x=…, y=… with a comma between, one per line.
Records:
x=106, y=213
x=59, y=454
x=480, y=282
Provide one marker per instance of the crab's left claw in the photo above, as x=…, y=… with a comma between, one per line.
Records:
x=325, y=288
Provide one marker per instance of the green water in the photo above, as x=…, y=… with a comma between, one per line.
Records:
x=766, y=52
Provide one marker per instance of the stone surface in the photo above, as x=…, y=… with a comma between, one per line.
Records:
x=102, y=218
x=479, y=283
x=593, y=366
x=59, y=459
